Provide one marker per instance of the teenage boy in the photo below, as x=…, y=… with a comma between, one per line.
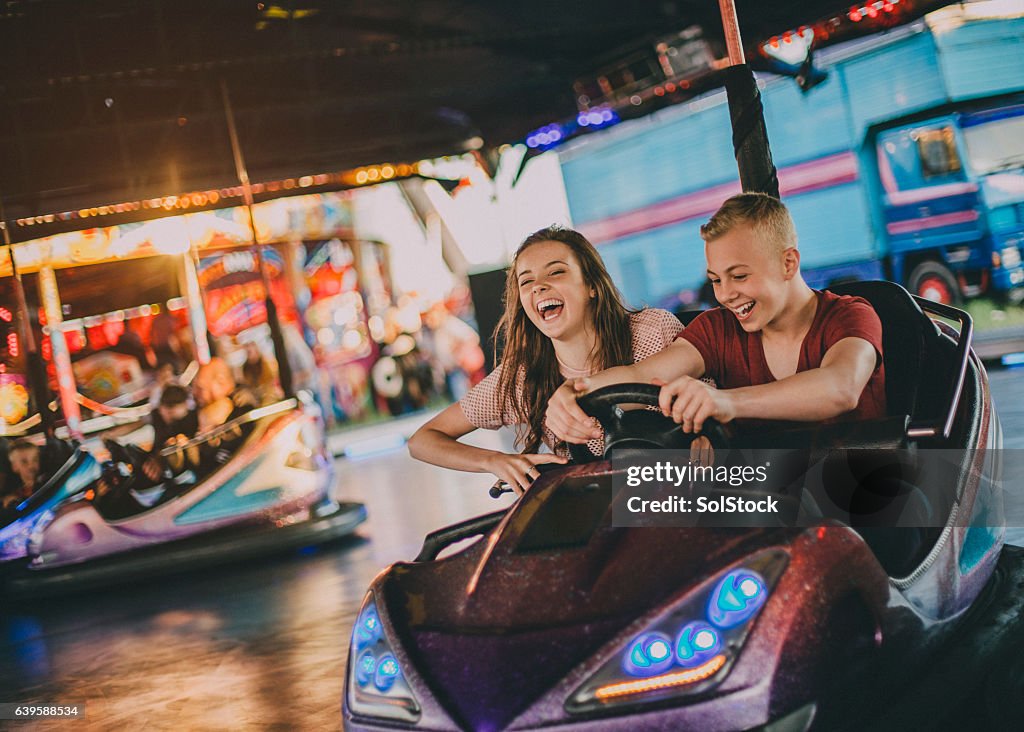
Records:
x=777, y=350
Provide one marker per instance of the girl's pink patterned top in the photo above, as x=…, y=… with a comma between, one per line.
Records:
x=652, y=330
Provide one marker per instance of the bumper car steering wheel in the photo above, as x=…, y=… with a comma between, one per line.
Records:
x=639, y=428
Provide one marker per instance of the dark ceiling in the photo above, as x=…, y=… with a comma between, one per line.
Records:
x=115, y=100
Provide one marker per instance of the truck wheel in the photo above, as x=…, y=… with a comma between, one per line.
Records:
x=933, y=281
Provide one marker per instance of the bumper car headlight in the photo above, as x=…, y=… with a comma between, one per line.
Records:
x=376, y=684
x=690, y=648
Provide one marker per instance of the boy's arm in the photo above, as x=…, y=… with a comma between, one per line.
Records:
x=570, y=423
x=828, y=391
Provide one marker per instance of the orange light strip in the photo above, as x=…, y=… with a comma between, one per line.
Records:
x=709, y=668
x=367, y=174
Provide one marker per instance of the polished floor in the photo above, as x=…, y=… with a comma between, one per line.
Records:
x=261, y=645
x=250, y=646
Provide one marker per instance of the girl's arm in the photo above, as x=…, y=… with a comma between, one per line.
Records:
x=437, y=443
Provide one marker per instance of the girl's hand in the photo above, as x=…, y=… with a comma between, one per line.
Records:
x=565, y=418
x=519, y=470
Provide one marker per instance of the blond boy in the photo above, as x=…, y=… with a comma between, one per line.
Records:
x=777, y=350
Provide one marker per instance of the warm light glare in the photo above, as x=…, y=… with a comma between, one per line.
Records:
x=666, y=681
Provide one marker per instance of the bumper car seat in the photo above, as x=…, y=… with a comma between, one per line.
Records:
x=879, y=485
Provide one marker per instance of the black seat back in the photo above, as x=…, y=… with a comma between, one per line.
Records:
x=54, y=454
x=908, y=336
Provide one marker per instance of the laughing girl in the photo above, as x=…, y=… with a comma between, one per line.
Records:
x=564, y=319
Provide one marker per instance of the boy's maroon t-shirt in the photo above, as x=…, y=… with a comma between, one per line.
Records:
x=735, y=358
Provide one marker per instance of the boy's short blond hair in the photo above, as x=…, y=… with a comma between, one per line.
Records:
x=767, y=215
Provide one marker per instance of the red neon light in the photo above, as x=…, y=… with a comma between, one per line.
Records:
x=670, y=87
x=855, y=15
x=5, y=315
x=872, y=11
x=888, y=7
x=775, y=42
x=658, y=91
x=12, y=345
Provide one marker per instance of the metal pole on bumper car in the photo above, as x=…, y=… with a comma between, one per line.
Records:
x=194, y=299
x=35, y=369
x=284, y=369
x=749, y=134
x=66, y=388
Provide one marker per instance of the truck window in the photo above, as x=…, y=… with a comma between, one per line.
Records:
x=995, y=140
x=937, y=150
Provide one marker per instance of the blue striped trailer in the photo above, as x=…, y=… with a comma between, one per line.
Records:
x=906, y=163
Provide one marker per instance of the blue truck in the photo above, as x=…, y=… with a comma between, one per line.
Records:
x=905, y=163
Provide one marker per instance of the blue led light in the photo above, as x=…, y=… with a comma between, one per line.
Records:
x=697, y=643
x=367, y=630
x=648, y=655
x=366, y=664
x=546, y=136
x=582, y=120
x=387, y=673
x=736, y=599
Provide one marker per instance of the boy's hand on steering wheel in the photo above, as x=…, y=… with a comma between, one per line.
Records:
x=689, y=402
x=564, y=416
x=519, y=470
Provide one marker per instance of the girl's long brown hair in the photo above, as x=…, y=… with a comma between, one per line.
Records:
x=531, y=353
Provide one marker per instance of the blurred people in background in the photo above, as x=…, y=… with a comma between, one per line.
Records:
x=163, y=376
x=173, y=416
x=258, y=375
x=455, y=348
x=130, y=344
x=219, y=400
x=25, y=473
x=218, y=397
x=165, y=343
